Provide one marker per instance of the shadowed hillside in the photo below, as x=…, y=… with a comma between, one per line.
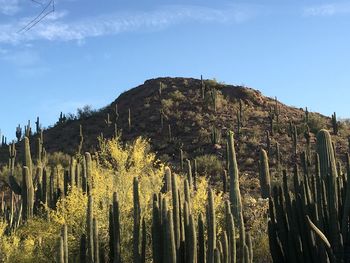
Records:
x=195, y=115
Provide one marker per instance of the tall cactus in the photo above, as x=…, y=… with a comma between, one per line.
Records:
x=137, y=221
x=328, y=171
x=235, y=195
x=176, y=211
x=201, y=240
x=96, y=242
x=156, y=232
x=264, y=172
x=27, y=194
x=211, y=224
x=90, y=230
x=64, y=235
x=114, y=231
x=170, y=242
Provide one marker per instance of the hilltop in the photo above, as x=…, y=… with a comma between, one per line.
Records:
x=194, y=115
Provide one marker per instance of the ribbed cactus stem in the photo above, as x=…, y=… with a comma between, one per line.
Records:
x=211, y=225
x=231, y=239
x=217, y=256
x=143, y=242
x=82, y=255
x=201, y=240
x=27, y=194
x=27, y=158
x=225, y=251
x=64, y=234
x=235, y=195
x=88, y=163
x=90, y=230
x=137, y=221
x=96, y=242
x=264, y=172
x=191, y=239
x=189, y=173
x=167, y=180
x=328, y=171
x=156, y=233
x=60, y=255
x=176, y=210
x=114, y=230
x=72, y=169
x=171, y=246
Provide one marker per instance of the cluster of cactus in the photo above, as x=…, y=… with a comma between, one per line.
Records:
x=38, y=187
x=3, y=141
x=177, y=235
x=62, y=119
x=310, y=221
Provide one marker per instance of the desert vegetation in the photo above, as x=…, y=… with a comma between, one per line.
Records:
x=178, y=170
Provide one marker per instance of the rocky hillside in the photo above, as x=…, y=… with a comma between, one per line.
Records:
x=195, y=115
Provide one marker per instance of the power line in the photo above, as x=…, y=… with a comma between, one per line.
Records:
x=44, y=13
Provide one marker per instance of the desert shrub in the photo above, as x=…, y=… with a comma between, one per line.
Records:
x=209, y=165
x=167, y=105
x=177, y=95
x=58, y=158
x=316, y=122
x=85, y=112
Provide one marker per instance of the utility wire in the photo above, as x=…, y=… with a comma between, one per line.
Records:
x=37, y=2
x=39, y=17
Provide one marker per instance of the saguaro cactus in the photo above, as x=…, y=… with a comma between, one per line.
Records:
x=27, y=194
x=264, y=172
x=235, y=195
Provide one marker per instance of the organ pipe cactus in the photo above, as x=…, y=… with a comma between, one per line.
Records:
x=313, y=222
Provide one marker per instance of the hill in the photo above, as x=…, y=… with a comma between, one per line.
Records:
x=194, y=115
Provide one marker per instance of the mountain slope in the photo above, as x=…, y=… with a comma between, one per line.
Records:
x=191, y=120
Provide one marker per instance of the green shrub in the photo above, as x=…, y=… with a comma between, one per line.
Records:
x=316, y=122
x=210, y=165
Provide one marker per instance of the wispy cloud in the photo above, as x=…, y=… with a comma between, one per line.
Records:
x=55, y=28
x=9, y=7
x=327, y=9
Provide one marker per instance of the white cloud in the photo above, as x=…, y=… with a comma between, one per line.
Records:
x=9, y=7
x=54, y=28
x=327, y=9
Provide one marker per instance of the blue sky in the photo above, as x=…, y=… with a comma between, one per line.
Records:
x=88, y=52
